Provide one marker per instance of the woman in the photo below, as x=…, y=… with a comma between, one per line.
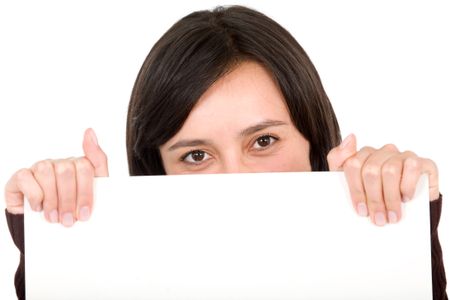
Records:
x=228, y=91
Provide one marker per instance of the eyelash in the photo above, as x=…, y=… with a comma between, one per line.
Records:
x=184, y=156
x=269, y=135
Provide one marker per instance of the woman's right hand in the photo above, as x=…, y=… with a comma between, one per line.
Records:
x=62, y=188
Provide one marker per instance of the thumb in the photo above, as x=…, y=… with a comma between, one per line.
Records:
x=338, y=155
x=95, y=154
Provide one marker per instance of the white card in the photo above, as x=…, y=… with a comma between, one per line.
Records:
x=230, y=236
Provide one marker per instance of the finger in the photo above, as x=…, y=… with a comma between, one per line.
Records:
x=373, y=184
x=23, y=184
x=412, y=169
x=391, y=176
x=45, y=175
x=85, y=177
x=338, y=155
x=66, y=187
x=431, y=169
x=352, y=169
x=95, y=154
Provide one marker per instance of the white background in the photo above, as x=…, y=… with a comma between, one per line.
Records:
x=65, y=67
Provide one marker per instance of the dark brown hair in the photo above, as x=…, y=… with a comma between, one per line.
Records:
x=199, y=49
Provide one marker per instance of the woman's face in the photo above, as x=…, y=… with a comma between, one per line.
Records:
x=240, y=124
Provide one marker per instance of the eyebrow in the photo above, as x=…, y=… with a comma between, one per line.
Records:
x=246, y=132
x=189, y=143
x=260, y=126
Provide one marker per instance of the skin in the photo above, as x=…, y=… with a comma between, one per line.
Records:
x=240, y=124
x=225, y=126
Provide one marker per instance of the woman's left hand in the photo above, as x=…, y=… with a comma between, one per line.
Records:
x=380, y=180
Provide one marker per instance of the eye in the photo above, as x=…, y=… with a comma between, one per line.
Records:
x=195, y=157
x=264, y=141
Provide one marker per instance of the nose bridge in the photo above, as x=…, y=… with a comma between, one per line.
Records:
x=233, y=162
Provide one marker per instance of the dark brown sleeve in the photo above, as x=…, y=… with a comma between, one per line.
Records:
x=437, y=262
x=15, y=225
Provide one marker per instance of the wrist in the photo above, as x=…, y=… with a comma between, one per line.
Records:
x=15, y=210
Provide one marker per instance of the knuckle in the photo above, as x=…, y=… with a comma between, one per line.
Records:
x=431, y=163
x=358, y=195
x=44, y=167
x=84, y=167
x=22, y=174
x=406, y=191
x=371, y=171
x=64, y=169
x=35, y=197
x=32, y=199
x=409, y=153
x=353, y=163
x=84, y=198
x=367, y=149
x=374, y=202
x=390, y=169
x=412, y=163
x=390, y=147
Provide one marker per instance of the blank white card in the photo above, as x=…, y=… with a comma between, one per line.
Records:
x=230, y=236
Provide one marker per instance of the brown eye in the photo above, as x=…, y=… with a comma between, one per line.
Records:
x=264, y=142
x=196, y=157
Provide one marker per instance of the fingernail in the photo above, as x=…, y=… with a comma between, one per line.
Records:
x=53, y=216
x=406, y=199
x=380, y=219
x=84, y=213
x=345, y=141
x=362, y=209
x=67, y=219
x=94, y=137
x=392, y=216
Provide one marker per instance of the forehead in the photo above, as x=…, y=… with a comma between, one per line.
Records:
x=246, y=95
x=241, y=99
